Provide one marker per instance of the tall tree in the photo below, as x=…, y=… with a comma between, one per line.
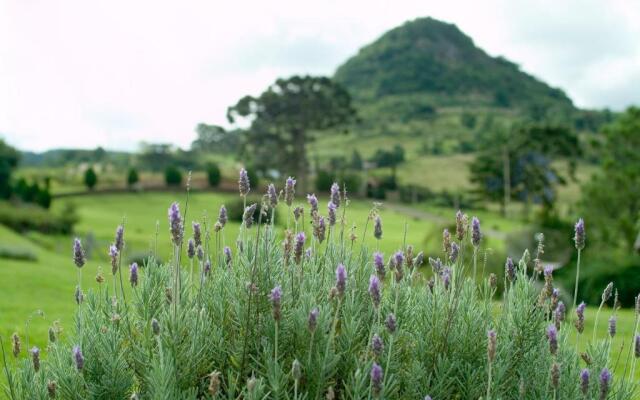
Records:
x=9, y=158
x=611, y=199
x=516, y=164
x=284, y=118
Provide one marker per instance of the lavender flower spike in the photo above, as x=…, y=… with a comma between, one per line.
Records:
x=197, y=233
x=35, y=357
x=113, y=254
x=612, y=326
x=455, y=249
x=374, y=290
x=377, y=345
x=580, y=236
x=491, y=345
x=584, y=381
x=461, y=225
x=378, y=264
x=289, y=191
x=276, y=297
x=579, y=323
x=222, y=216
x=247, y=217
x=376, y=379
x=78, y=253
x=552, y=335
x=313, y=202
x=272, y=193
x=637, y=346
x=332, y=213
x=191, y=248
x=510, y=270
x=335, y=194
x=244, y=186
x=133, y=277
x=227, y=256
x=175, y=224
x=476, y=235
x=313, y=319
x=341, y=279
x=377, y=228
x=119, y=241
x=78, y=358
x=390, y=323
x=605, y=383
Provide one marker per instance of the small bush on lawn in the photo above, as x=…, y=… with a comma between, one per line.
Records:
x=17, y=253
x=315, y=315
x=23, y=218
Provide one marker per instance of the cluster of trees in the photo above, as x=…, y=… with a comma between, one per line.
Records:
x=21, y=189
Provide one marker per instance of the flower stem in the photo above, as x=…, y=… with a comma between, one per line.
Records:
x=575, y=292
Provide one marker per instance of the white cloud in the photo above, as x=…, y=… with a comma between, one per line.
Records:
x=87, y=73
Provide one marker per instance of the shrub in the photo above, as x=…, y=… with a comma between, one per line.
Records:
x=90, y=178
x=132, y=177
x=324, y=180
x=172, y=176
x=265, y=323
x=213, y=174
x=17, y=253
x=32, y=218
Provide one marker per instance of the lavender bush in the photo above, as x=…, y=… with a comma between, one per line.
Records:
x=289, y=315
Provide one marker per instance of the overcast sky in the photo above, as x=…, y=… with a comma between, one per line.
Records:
x=82, y=73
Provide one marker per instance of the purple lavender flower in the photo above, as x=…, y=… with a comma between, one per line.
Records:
x=272, y=193
x=313, y=319
x=419, y=260
x=552, y=335
x=133, y=276
x=119, y=240
x=579, y=323
x=223, y=216
x=297, y=213
x=461, y=221
x=244, y=186
x=35, y=357
x=79, y=296
x=78, y=253
x=197, y=233
x=377, y=345
x=584, y=381
x=455, y=249
x=390, y=323
x=612, y=326
x=376, y=379
x=436, y=265
x=446, y=241
x=377, y=228
x=491, y=345
x=446, y=278
x=341, y=279
x=191, y=248
x=298, y=248
x=427, y=397
x=580, y=236
x=374, y=290
x=247, y=217
x=319, y=229
x=289, y=191
x=207, y=267
x=332, y=213
x=275, y=297
x=510, y=270
x=78, y=358
x=605, y=382
x=175, y=224
x=548, y=271
x=606, y=295
x=113, y=254
x=398, y=259
x=313, y=203
x=378, y=263
x=335, y=194
x=637, y=346
x=476, y=235
x=227, y=256
x=200, y=253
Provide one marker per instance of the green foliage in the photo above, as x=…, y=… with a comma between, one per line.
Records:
x=31, y=218
x=215, y=139
x=284, y=118
x=213, y=174
x=356, y=161
x=386, y=158
x=17, y=253
x=324, y=180
x=226, y=321
x=612, y=197
x=172, y=176
x=90, y=178
x=132, y=177
x=9, y=158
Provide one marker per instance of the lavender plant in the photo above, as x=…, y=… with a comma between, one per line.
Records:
x=269, y=321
